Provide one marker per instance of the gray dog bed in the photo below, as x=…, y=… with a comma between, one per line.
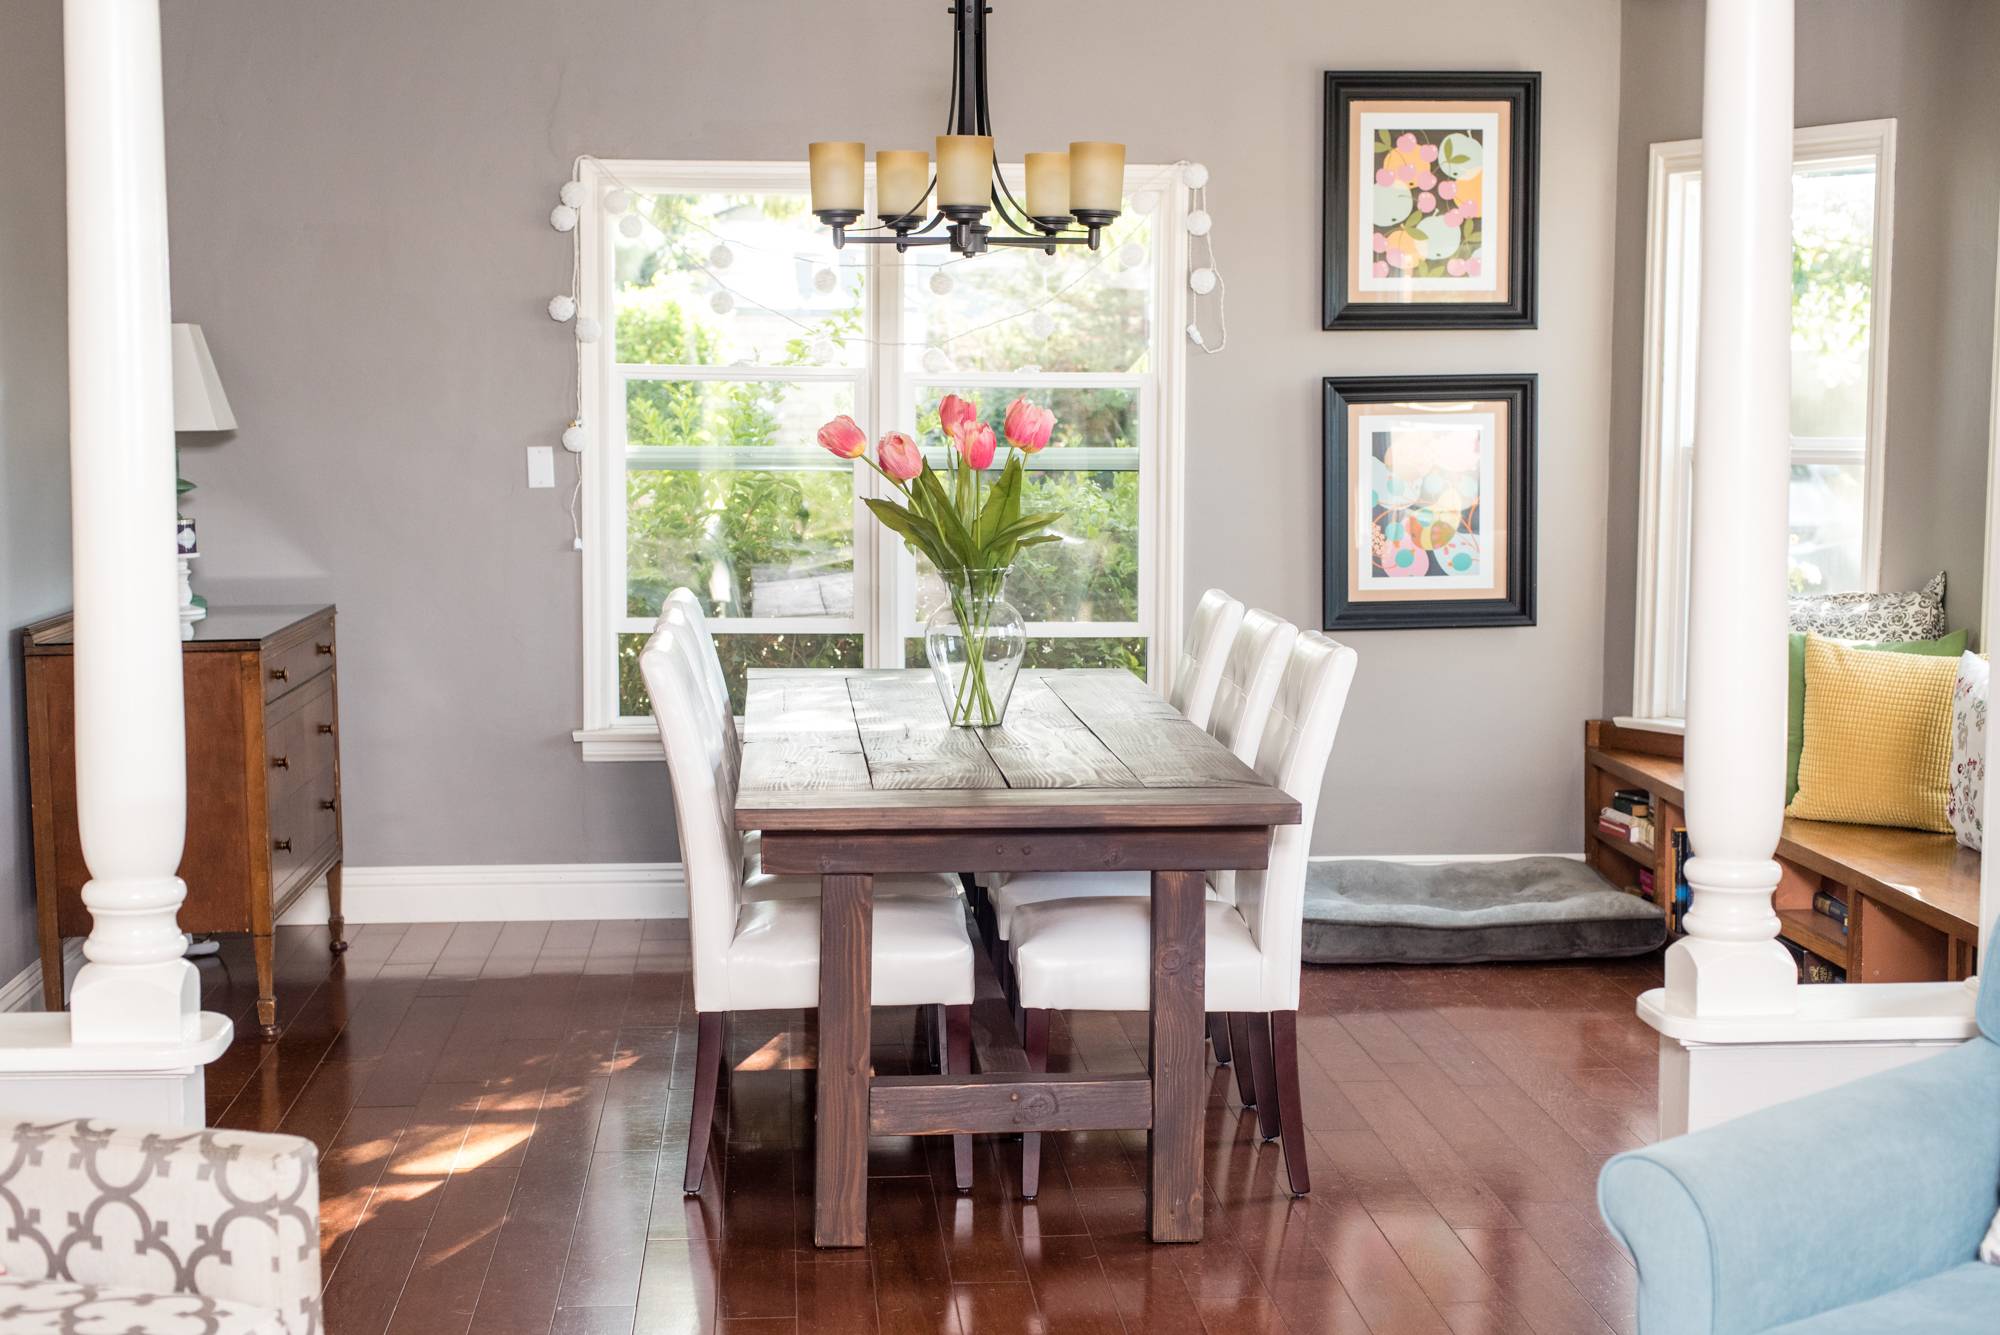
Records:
x=1364, y=912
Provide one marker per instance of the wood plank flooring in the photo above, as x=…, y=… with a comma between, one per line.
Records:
x=502, y=1111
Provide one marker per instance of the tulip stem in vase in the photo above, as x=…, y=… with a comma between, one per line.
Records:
x=970, y=530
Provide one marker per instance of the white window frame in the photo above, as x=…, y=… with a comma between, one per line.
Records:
x=1659, y=657
x=884, y=401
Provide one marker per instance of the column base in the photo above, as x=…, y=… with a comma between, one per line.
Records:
x=1714, y=1069
x=1731, y=978
x=45, y=1075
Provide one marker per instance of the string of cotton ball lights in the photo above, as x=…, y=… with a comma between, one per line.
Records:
x=1205, y=275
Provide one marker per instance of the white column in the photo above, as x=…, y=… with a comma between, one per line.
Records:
x=131, y=766
x=1731, y=963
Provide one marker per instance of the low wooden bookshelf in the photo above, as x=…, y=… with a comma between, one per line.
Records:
x=1912, y=898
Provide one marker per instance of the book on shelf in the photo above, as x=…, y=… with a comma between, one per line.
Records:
x=1831, y=906
x=1813, y=968
x=1646, y=883
x=1625, y=828
x=1636, y=802
x=1683, y=895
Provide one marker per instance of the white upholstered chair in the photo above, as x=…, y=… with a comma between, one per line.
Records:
x=755, y=939
x=717, y=684
x=1093, y=954
x=1199, y=668
x=1245, y=687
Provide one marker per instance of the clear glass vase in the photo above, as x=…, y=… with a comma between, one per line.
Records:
x=975, y=642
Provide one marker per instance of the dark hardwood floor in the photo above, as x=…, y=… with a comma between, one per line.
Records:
x=502, y=1112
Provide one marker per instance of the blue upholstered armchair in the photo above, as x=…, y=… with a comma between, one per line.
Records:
x=1858, y=1211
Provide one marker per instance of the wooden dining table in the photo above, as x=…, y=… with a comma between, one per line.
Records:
x=851, y=773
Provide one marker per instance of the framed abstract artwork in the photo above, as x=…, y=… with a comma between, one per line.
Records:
x=1430, y=501
x=1430, y=200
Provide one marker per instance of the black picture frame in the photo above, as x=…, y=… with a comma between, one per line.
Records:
x=1517, y=606
x=1522, y=90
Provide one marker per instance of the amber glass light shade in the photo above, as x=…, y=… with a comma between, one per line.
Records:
x=837, y=168
x=1048, y=185
x=902, y=178
x=1096, y=177
x=965, y=170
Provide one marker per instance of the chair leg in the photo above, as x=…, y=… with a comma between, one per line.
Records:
x=1239, y=1042
x=1218, y=1036
x=1035, y=1038
x=958, y=1061
x=1291, y=1114
x=707, y=1075
x=1262, y=1074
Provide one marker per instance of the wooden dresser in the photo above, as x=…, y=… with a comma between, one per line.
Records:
x=263, y=800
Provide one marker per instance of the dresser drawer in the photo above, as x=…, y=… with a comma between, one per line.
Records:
x=299, y=737
x=303, y=824
x=289, y=666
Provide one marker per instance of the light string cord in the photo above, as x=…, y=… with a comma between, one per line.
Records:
x=1198, y=200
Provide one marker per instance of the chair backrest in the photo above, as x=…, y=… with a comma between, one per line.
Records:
x=1199, y=669
x=1243, y=699
x=704, y=788
x=1249, y=683
x=710, y=664
x=1297, y=744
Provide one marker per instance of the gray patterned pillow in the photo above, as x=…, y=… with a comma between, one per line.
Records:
x=1872, y=616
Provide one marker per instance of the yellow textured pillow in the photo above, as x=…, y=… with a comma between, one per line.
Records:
x=1878, y=737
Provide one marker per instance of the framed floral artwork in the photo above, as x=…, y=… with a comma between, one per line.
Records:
x=1430, y=501
x=1430, y=200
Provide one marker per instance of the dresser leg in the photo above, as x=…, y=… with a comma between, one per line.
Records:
x=336, y=924
x=267, y=1000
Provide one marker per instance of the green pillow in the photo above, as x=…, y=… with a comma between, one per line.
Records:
x=1951, y=646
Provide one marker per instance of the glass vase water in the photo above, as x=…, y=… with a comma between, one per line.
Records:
x=975, y=641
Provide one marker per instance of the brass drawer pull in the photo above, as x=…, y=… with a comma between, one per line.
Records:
x=323, y=650
x=280, y=674
x=282, y=845
x=281, y=762
x=326, y=730
x=327, y=804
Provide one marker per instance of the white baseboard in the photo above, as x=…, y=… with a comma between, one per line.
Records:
x=546, y=892
x=1436, y=859
x=502, y=893
x=23, y=992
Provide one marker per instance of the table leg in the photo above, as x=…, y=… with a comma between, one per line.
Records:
x=840, y=1142
x=1176, y=1055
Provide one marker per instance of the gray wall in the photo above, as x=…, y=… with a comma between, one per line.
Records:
x=1929, y=64
x=34, y=414
x=359, y=198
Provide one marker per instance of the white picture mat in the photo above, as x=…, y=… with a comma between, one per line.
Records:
x=1486, y=577
x=1487, y=123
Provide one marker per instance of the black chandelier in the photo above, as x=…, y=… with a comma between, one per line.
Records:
x=1072, y=197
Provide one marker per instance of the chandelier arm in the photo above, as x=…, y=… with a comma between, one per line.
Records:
x=979, y=49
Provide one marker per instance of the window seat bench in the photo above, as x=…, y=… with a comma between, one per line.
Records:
x=1912, y=897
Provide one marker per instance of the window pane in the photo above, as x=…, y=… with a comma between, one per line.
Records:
x=1826, y=514
x=739, y=654
x=743, y=413
x=716, y=279
x=749, y=541
x=1092, y=574
x=1078, y=310
x=1085, y=418
x=1833, y=221
x=1063, y=652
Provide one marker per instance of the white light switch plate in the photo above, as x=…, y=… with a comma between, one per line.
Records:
x=541, y=465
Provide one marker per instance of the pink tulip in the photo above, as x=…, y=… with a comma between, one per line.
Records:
x=955, y=414
x=899, y=456
x=976, y=444
x=842, y=436
x=1029, y=426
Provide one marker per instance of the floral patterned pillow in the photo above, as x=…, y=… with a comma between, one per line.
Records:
x=1872, y=616
x=1968, y=751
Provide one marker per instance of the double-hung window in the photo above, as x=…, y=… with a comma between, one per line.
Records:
x=1842, y=205
x=731, y=329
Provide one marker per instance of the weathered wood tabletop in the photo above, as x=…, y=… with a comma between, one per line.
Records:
x=853, y=773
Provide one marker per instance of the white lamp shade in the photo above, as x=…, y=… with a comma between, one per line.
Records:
x=199, y=403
